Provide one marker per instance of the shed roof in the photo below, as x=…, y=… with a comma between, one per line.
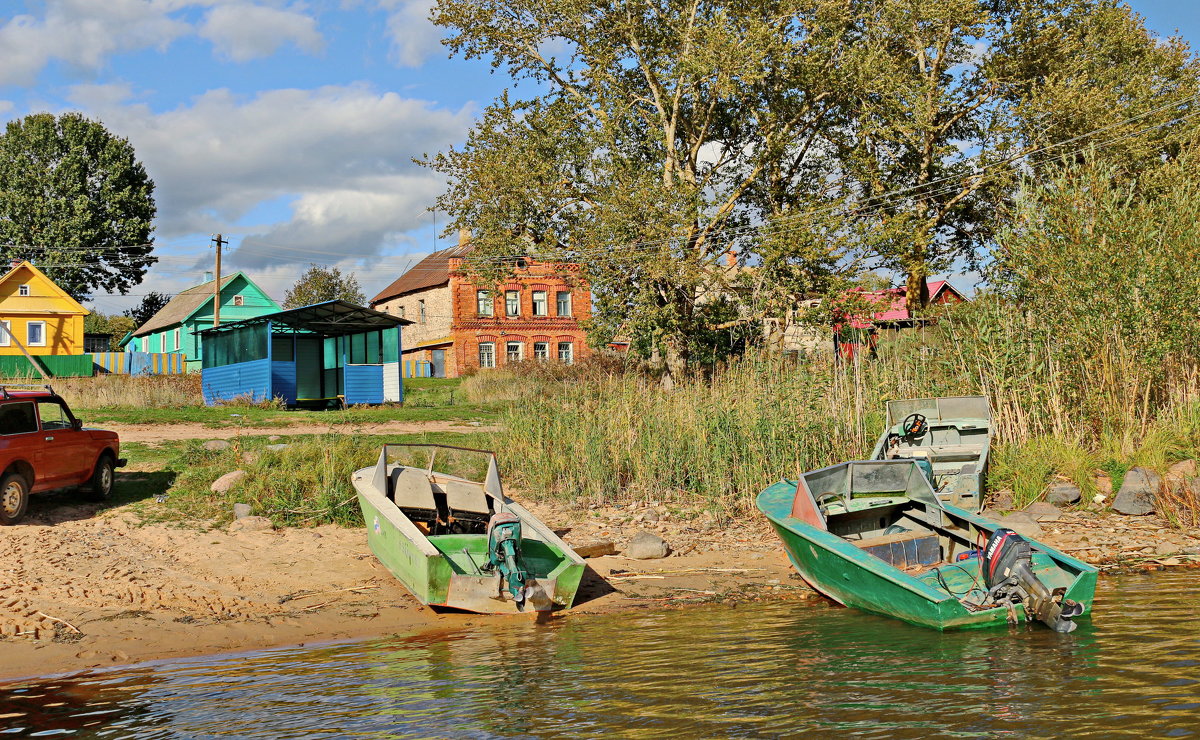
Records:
x=184, y=304
x=331, y=319
x=430, y=272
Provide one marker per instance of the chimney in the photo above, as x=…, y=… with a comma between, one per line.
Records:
x=208, y=276
x=464, y=236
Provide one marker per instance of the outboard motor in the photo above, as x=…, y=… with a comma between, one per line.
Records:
x=1008, y=573
x=504, y=553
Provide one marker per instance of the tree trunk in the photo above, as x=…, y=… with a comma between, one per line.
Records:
x=916, y=293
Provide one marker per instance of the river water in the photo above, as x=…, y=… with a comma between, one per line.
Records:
x=715, y=671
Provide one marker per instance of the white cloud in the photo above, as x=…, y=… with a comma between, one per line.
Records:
x=414, y=37
x=342, y=157
x=83, y=33
x=244, y=31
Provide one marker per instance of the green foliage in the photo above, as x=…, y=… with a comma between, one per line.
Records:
x=322, y=283
x=75, y=200
x=152, y=303
x=114, y=325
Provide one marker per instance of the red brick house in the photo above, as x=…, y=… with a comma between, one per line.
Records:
x=533, y=314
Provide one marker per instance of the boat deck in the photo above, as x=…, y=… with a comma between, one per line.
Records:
x=539, y=558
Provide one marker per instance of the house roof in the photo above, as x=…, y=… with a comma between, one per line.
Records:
x=53, y=285
x=182, y=305
x=331, y=319
x=891, y=304
x=430, y=272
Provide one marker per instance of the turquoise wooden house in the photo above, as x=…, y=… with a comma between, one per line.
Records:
x=176, y=327
x=326, y=355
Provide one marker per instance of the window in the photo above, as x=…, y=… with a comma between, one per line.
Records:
x=421, y=309
x=566, y=352
x=239, y=300
x=513, y=351
x=53, y=415
x=400, y=311
x=541, y=350
x=23, y=290
x=483, y=300
x=175, y=336
x=17, y=418
x=564, y=303
x=35, y=333
x=512, y=303
x=487, y=354
x=540, y=307
x=4, y=335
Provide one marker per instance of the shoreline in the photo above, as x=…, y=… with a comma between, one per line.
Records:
x=88, y=591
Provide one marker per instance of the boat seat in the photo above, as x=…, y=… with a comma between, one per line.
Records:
x=411, y=489
x=942, y=453
x=466, y=498
x=903, y=549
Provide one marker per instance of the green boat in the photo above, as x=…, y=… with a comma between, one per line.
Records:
x=873, y=535
x=952, y=435
x=459, y=543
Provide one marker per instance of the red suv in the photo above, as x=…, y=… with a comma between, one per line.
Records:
x=43, y=446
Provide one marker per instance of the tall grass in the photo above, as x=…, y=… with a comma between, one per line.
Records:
x=119, y=391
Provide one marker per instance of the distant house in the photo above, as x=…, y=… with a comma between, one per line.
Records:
x=174, y=328
x=533, y=314
x=891, y=307
x=41, y=315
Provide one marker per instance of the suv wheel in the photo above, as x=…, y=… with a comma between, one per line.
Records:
x=14, y=498
x=102, y=480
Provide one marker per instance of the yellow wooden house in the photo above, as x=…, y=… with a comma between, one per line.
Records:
x=41, y=315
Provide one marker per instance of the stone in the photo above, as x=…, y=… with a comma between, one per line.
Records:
x=647, y=546
x=1166, y=548
x=228, y=481
x=1103, y=482
x=1138, y=494
x=274, y=438
x=1001, y=500
x=1022, y=523
x=595, y=549
x=1182, y=470
x=1063, y=493
x=241, y=511
x=650, y=516
x=1040, y=508
x=216, y=445
x=252, y=524
x=276, y=448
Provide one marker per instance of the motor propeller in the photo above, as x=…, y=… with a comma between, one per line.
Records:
x=1008, y=573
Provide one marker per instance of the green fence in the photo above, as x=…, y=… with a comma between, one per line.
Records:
x=59, y=366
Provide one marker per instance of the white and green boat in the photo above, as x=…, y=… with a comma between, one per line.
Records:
x=458, y=543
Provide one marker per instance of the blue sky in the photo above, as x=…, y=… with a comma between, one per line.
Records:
x=289, y=126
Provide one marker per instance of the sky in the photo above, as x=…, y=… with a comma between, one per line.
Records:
x=288, y=126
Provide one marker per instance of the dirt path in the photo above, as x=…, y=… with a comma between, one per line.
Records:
x=170, y=432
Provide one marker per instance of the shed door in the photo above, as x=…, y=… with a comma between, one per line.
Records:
x=439, y=363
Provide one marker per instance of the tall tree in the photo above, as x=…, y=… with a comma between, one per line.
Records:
x=76, y=202
x=643, y=153
x=321, y=283
x=151, y=304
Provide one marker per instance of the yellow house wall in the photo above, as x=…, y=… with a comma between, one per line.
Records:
x=63, y=317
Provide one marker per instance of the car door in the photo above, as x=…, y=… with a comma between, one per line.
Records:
x=20, y=439
x=67, y=454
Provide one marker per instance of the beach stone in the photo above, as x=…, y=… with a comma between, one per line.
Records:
x=216, y=445
x=1002, y=500
x=1138, y=494
x=650, y=516
x=1103, y=482
x=1182, y=470
x=1041, y=508
x=274, y=438
x=1021, y=522
x=276, y=448
x=647, y=546
x=1166, y=548
x=1063, y=493
x=595, y=549
x=241, y=511
x=252, y=524
x=228, y=481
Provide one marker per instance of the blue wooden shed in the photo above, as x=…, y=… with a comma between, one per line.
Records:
x=324, y=355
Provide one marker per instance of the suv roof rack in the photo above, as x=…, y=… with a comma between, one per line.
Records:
x=34, y=386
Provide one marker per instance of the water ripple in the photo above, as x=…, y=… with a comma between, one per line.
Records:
x=762, y=671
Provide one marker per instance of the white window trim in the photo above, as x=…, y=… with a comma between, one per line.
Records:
x=512, y=314
x=546, y=346
x=29, y=341
x=5, y=340
x=492, y=345
x=23, y=290
x=520, y=351
x=545, y=303
x=175, y=336
x=484, y=304
x=239, y=300
x=570, y=358
x=570, y=308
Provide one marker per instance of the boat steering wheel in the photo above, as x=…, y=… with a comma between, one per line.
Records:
x=914, y=425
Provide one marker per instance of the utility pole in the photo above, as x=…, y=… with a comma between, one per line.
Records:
x=217, y=283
